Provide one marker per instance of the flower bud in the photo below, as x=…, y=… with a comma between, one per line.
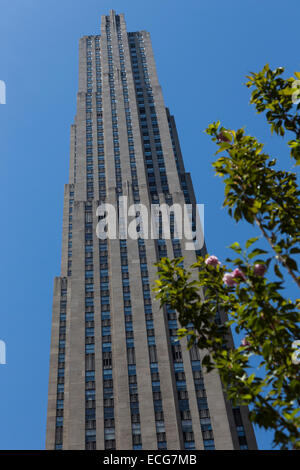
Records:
x=245, y=343
x=212, y=261
x=229, y=280
x=238, y=273
x=259, y=269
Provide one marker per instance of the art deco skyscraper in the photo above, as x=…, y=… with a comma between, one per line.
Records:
x=118, y=377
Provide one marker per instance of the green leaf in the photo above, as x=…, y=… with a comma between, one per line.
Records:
x=236, y=247
x=291, y=263
x=277, y=271
x=256, y=252
x=251, y=241
x=247, y=397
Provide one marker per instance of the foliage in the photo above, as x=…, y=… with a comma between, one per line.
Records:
x=257, y=192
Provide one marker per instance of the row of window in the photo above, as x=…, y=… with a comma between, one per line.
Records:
x=160, y=427
x=61, y=367
x=90, y=385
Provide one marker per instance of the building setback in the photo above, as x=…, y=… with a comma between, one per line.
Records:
x=118, y=377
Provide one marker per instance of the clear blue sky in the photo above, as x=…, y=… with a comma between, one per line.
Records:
x=203, y=51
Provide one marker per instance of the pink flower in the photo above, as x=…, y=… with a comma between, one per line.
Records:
x=212, y=261
x=259, y=269
x=228, y=279
x=245, y=343
x=238, y=273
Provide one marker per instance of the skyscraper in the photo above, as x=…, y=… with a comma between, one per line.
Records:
x=119, y=379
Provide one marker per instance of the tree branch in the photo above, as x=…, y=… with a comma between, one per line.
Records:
x=280, y=258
